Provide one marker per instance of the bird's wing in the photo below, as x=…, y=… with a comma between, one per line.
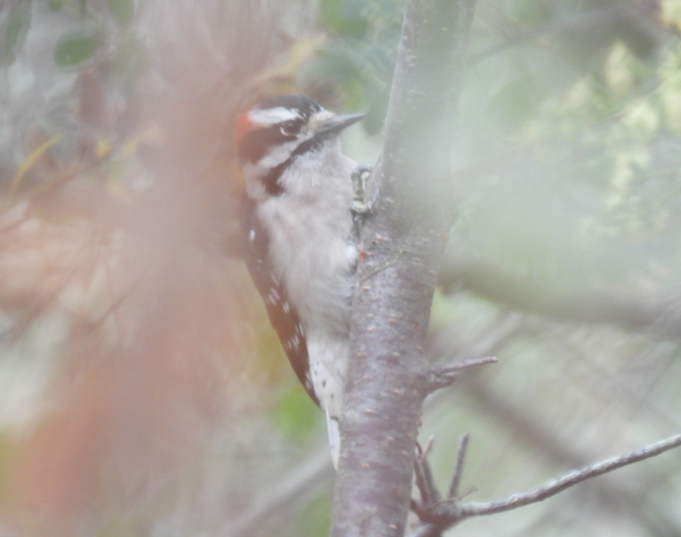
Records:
x=282, y=313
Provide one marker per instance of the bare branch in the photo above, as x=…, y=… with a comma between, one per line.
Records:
x=552, y=488
x=443, y=376
x=438, y=517
x=455, y=484
x=424, y=476
x=634, y=497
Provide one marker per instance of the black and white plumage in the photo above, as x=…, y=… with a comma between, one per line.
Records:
x=297, y=237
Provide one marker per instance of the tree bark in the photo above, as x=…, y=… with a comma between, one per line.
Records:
x=402, y=244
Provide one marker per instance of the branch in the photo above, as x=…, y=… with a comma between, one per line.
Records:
x=586, y=304
x=423, y=478
x=443, y=376
x=453, y=491
x=634, y=498
x=403, y=239
x=631, y=497
x=552, y=488
x=443, y=516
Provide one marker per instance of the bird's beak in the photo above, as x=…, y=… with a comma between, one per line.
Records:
x=336, y=124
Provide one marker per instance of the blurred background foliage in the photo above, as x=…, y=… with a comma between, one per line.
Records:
x=142, y=391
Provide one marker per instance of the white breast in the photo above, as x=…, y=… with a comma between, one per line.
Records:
x=310, y=228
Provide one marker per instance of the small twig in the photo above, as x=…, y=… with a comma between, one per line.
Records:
x=443, y=376
x=424, y=477
x=432, y=509
x=429, y=446
x=420, y=479
x=453, y=491
x=552, y=488
x=460, y=366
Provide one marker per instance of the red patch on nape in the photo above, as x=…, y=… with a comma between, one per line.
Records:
x=243, y=125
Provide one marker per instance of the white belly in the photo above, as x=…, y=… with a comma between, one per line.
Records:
x=310, y=229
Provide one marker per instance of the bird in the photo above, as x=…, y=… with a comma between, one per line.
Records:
x=297, y=238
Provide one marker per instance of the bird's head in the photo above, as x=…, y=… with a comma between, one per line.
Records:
x=278, y=130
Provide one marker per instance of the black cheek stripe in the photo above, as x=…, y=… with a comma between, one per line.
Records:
x=271, y=180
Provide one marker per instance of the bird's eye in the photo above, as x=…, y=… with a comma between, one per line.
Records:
x=289, y=128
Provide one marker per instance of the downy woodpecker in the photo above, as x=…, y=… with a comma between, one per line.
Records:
x=297, y=230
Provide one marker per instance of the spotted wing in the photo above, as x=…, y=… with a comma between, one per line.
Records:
x=283, y=315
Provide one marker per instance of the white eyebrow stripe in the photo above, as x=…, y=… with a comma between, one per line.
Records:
x=272, y=116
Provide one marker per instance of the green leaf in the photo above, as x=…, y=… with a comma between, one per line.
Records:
x=122, y=11
x=74, y=49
